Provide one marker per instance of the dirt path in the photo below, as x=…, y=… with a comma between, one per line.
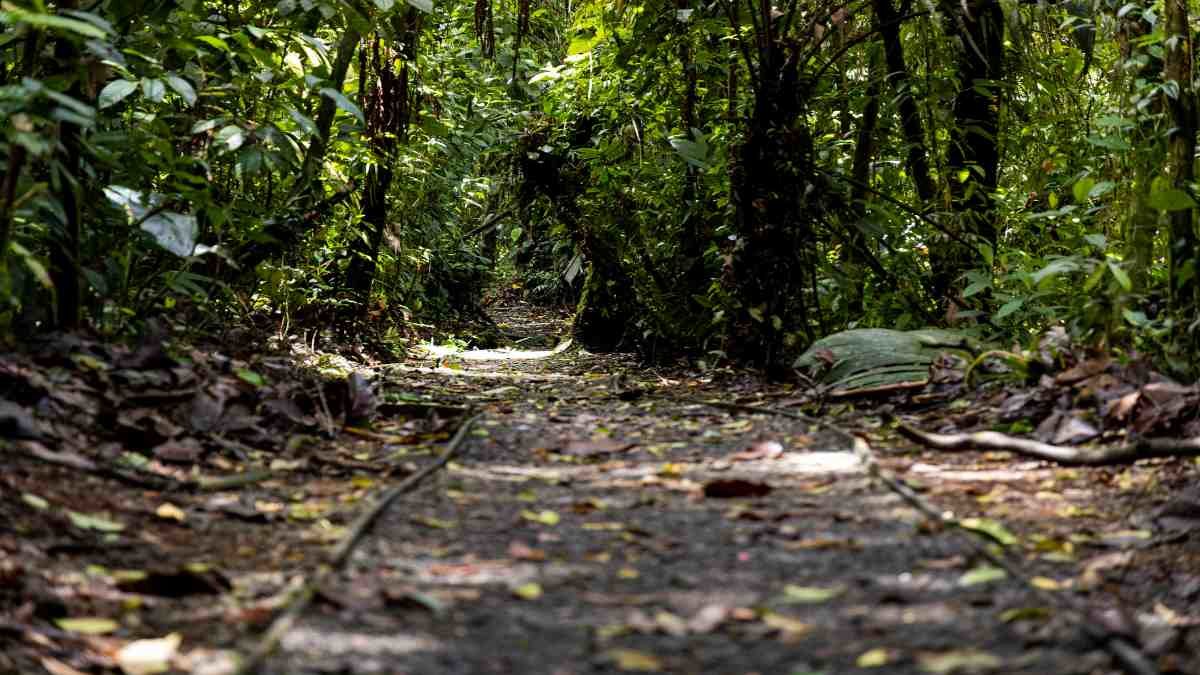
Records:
x=598, y=521
x=600, y=517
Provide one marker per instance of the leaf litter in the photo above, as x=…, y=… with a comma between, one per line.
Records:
x=163, y=500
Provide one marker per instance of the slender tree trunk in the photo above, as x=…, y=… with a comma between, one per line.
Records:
x=1141, y=229
x=319, y=145
x=973, y=158
x=864, y=151
x=1181, y=151
x=360, y=274
x=917, y=157
x=64, y=253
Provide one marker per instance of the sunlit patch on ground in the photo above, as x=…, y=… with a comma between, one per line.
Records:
x=503, y=354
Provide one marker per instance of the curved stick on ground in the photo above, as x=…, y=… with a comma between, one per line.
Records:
x=303, y=592
x=994, y=440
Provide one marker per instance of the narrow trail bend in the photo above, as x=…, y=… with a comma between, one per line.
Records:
x=600, y=520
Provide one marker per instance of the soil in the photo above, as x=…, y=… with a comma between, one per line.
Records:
x=604, y=516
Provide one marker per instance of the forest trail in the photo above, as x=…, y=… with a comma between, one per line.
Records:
x=598, y=516
x=601, y=519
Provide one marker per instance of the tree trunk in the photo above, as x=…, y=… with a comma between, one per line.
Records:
x=771, y=181
x=855, y=242
x=64, y=252
x=917, y=158
x=361, y=271
x=973, y=158
x=1181, y=151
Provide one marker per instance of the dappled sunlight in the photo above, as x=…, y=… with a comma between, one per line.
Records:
x=502, y=354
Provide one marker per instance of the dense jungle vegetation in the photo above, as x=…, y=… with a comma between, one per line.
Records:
x=723, y=179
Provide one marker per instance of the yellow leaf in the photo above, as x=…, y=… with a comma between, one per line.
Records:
x=1046, y=584
x=982, y=575
x=168, y=511
x=810, y=594
x=627, y=573
x=958, y=661
x=634, y=661
x=529, y=591
x=544, y=517
x=88, y=625
x=791, y=628
x=874, y=658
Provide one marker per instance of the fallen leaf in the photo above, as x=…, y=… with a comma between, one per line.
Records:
x=791, y=628
x=708, y=619
x=671, y=624
x=87, y=625
x=98, y=523
x=544, y=517
x=873, y=658
x=735, y=488
x=810, y=594
x=149, y=657
x=958, y=661
x=1025, y=614
x=529, y=591
x=984, y=574
x=634, y=661
x=991, y=528
x=168, y=511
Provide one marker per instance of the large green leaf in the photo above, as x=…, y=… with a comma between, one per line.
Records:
x=115, y=92
x=344, y=103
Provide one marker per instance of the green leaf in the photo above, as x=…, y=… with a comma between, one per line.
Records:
x=982, y=575
x=303, y=121
x=115, y=92
x=1056, y=267
x=250, y=377
x=88, y=625
x=53, y=22
x=1082, y=189
x=1109, y=142
x=990, y=528
x=1102, y=188
x=154, y=90
x=423, y=5
x=232, y=137
x=214, y=41
x=344, y=103
x=810, y=595
x=88, y=522
x=1120, y=275
x=977, y=288
x=695, y=153
x=385, y=5
x=183, y=88
x=1096, y=239
x=1135, y=318
x=1009, y=307
x=1171, y=199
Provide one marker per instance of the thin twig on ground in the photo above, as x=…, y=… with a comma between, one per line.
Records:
x=993, y=440
x=303, y=593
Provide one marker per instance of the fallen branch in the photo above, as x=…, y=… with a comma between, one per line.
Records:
x=994, y=440
x=1123, y=651
x=302, y=595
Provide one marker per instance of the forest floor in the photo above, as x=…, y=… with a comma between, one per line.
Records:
x=177, y=512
